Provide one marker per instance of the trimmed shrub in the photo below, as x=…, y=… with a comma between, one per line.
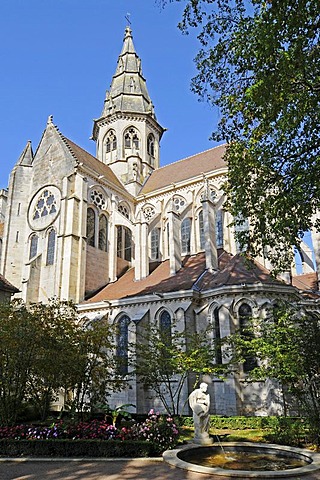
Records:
x=76, y=448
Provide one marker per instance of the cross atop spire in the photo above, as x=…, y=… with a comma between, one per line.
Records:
x=127, y=17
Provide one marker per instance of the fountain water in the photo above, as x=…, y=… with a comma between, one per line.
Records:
x=249, y=460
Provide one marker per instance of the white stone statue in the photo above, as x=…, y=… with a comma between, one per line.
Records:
x=199, y=401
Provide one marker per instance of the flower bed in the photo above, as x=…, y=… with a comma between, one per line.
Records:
x=88, y=439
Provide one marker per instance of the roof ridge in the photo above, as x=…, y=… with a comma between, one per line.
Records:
x=67, y=142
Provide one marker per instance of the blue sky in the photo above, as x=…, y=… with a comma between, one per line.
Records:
x=58, y=57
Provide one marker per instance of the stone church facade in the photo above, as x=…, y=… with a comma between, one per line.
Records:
x=127, y=239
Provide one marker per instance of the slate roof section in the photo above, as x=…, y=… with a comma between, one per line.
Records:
x=85, y=158
x=6, y=286
x=193, y=275
x=185, y=169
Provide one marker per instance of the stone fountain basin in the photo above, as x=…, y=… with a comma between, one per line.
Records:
x=312, y=460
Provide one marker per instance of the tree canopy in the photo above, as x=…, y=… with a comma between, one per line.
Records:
x=287, y=344
x=259, y=63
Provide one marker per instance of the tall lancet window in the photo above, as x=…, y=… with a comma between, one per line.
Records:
x=155, y=243
x=186, y=236
x=51, y=246
x=91, y=229
x=122, y=341
x=201, y=230
x=219, y=228
x=103, y=233
x=150, y=145
x=245, y=317
x=33, y=246
x=124, y=243
x=111, y=141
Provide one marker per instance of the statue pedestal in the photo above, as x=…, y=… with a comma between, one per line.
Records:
x=203, y=439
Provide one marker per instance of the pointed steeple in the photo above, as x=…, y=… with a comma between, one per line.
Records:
x=128, y=134
x=128, y=91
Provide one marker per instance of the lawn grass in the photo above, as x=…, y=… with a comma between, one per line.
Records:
x=228, y=435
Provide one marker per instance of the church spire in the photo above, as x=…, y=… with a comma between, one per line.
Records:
x=127, y=133
x=128, y=91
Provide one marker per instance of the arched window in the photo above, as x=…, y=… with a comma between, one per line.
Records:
x=122, y=341
x=155, y=243
x=219, y=229
x=51, y=246
x=245, y=316
x=165, y=328
x=243, y=227
x=91, y=227
x=185, y=236
x=150, y=145
x=111, y=141
x=103, y=233
x=131, y=139
x=124, y=242
x=217, y=335
x=33, y=246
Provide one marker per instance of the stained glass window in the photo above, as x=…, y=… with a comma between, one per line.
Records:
x=51, y=245
x=122, y=344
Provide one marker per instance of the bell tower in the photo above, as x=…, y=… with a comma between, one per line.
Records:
x=128, y=134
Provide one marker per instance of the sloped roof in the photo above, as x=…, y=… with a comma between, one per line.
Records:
x=185, y=169
x=192, y=275
x=239, y=270
x=306, y=281
x=85, y=158
x=6, y=286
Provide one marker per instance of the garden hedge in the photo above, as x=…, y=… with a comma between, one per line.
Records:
x=76, y=448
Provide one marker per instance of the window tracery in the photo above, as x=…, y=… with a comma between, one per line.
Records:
x=45, y=205
x=123, y=209
x=131, y=139
x=111, y=141
x=178, y=203
x=212, y=194
x=149, y=212
x=98, y=198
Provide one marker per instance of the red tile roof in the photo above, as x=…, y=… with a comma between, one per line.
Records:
x=193, y=275
x=93, y=163
x=185, y=169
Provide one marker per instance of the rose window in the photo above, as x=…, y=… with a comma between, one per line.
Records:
x=46, y=205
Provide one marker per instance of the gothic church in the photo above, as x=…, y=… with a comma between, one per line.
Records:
x=126, y=238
